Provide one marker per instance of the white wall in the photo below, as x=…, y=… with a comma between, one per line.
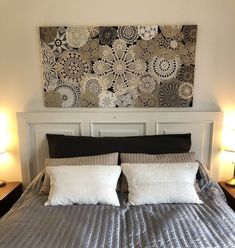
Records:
x=20, y=66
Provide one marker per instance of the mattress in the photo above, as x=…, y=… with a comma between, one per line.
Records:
x=32, y=225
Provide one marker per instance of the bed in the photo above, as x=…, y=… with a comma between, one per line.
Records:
x=30, y=224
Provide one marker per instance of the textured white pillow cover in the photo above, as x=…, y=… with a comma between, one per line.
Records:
x=87, y=184
x=161, y=183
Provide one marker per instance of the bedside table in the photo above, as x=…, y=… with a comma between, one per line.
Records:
x=229, y=193
x=9, y=194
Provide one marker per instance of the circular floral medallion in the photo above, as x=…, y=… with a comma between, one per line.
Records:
x=92, y=85
x=53, y=99
x=93, y=31
x=69, y=94
x=164, y=69
x=118, y=47
x=118, y=65
x=186, y=73
x=147, y=32
x=169, y=95
x=107, y=35
x=90, y=51
x=47, y=34
x=107, y=99
x=190, y=33
x=89, y=100
x=186, y=90
x=128, y=33
x=59, y=44
x=77, y=36
x=147, y=83
x=73, y=68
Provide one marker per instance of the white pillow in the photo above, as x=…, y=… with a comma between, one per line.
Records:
x=161, y=183
x=83, y=185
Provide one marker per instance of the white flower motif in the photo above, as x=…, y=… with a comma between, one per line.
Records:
x=77, y=36
x=59, y=44
x=147, y=32
x=147, y=83
x=127, y=98
x=50, y=66
x=174, y=44
x=107, y=99
x=118, y=64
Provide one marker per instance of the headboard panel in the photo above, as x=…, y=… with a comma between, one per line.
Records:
x=205, y=128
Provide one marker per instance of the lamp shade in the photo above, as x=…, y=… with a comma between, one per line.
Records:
x=2, y=142
x=2, y=145
x=229, y=142
x=2, y=150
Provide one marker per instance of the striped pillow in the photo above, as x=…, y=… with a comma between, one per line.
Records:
x=156, y=158
x=103, y=159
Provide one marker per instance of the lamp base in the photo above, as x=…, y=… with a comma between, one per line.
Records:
x=2, y=183
x=231, y=182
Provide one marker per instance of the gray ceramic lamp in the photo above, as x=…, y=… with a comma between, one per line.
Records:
x=230, y=147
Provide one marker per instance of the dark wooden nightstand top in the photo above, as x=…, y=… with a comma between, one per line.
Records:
x=9, y=194
x=230, y=190
x=8, y=188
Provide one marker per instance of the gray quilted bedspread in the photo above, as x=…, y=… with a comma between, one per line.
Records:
x=32, y=225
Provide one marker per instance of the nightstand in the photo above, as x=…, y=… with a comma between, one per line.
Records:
x=9, y=194
x=229, y=193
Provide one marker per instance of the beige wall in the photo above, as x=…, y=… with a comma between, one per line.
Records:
x=20, y=67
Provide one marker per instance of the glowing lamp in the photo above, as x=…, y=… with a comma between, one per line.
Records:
x=3, y=140
x=229, y=146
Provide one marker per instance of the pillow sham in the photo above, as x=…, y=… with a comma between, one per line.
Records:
x=83, y=185
x=103, y=159
x=133, y=158
x=62, y=146
x=161, y=183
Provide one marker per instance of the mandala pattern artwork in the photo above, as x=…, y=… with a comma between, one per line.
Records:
x=118, y=66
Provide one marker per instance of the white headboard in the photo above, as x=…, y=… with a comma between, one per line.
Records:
x=205, y=128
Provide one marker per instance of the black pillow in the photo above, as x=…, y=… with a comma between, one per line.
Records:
x=63, y=146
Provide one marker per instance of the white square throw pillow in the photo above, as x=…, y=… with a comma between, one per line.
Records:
x=161, y=183
x=87, y=184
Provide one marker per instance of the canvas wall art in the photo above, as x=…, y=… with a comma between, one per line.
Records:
x=118, y=66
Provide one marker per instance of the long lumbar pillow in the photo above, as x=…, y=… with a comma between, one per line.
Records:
x=83, y=185
x=161, y=183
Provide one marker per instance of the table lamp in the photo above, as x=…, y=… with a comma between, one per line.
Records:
x=230, y=147
x=2, y=151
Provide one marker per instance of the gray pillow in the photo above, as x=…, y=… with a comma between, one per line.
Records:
x=103, y=159
x=156, y=158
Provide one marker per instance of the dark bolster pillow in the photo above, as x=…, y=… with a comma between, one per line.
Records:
x=64, y=146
